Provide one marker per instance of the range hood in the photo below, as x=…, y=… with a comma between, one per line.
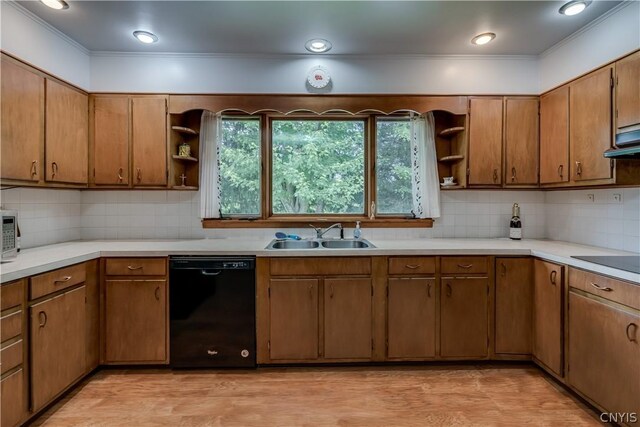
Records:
x=627, y=146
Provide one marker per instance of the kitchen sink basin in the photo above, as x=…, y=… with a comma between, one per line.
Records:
x=294, y=244
x=320, y=244
x=345, y=244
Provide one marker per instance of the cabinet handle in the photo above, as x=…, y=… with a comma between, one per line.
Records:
x=560, y=170
x=449, y=290
x=635, y=329
x=504, y=269
x=54, y=169
x=495, y=175
x=157, y=293
x=331, y=291
x=130, y=267
x=412, y=266
x=34, y=168
x=552, y=277
x=120, y=171
x=139, y=174
x=578, y=168
x=428, y=290
x=601, y=288
x=465, y=266
x=310, y=291
x=513, y=174
x=42, y=316
x=63, y=280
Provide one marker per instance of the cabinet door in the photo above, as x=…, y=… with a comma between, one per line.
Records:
x=521, y=141
x=628, y=91
x=149, y=117
x=464, y=317
x=22, y=122
x=411, y=318
x=12, y=406
x=590, y=125
x=93, y=315
x=547, y=302
x=293, y=325
x=485, y=141
x=514, y=305
x=111, y=140
x=57, y=345
x=554, y=136
x=347, y=319
x=136, y=320
x=604, y=354
x=66, y=145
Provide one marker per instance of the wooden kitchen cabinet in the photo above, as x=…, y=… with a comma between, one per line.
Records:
x=149, y=140
x=464, y=317
x=22, y=109
x=411, y=318
x=92, y=306
x=521, y=128
x=293, y=322
x=485, y=141
x=627, y=92
x=67, y=121
x=58, y=345
x=514, y=306
x=554, y=136
x=110, y=140
x=590, y=102
x=347, y=318
x=548, y=315
x=136, y=321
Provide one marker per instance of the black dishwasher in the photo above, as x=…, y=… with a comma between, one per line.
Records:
x=212, y=312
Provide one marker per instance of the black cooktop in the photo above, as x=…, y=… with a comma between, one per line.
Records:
x=621, y=262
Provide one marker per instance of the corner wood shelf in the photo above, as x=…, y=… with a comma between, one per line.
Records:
x=451, y=159
x=185, y=130
x=446, y=133
x=185, y=159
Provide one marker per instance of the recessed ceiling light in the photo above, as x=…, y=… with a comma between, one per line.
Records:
x=56, y=4
x=483, y=38
x=318, y=45
x=574, y=7
x=145, y=37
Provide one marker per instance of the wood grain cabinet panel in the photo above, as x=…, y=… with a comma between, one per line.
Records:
x=13, y=407
x=11, y=356
x=11, y=294
x=136, y=266
x=57, y=280
x=590, y=125
x=347, y=319
x=136, y=321
x=628, y=91
x=110, y=140
x=521, y=141
x=548, y=315
x=57, y=345
x=604, y=353
x=514, y=305
x=554, y=136
x=293, y=321
x=485, y=141
x=411, y=318
x=67, y=131
x=464, y=265
x=10, y=325
x=149, y=139
x=22, y=110
x=464, y=317
x=412, y=265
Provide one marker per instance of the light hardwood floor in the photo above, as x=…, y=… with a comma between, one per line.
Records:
x=336, y=396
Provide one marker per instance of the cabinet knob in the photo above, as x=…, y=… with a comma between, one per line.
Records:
x=34, y=168
x=632, y=336
x=601, y=288
x=157, y=293
x=504, y=269
x=560, y=170
x=120, y=171
x=42, y=316
x=63, y=280
x=139, y=174
x=130, y=267
x=578, y=168
x=449, y=290
x=513, y=174
x=428, y=290
x=553, y=276
x=465, y=266
x=412, y=266
x=495, y=175
x=54, y=169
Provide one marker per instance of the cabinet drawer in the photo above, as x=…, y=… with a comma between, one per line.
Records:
x=136, y=267
x=10, y=326
x=320, y=266
x=605, y=287
x=10, y=357
x=412, y=265
x=11, y=294
x=13, y=406
x=53, y=281
x=465, y=265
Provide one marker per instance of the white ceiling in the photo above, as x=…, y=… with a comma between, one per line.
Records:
x=354, y=27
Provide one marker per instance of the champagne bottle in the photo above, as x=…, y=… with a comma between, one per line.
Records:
x=515, y=227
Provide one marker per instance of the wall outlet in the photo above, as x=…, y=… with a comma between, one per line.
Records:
x=617, y=198
x=591, y=198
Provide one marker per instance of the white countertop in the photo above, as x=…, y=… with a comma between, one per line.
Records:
x=46, y=258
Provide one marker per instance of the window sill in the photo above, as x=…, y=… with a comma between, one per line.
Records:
x=288, y=222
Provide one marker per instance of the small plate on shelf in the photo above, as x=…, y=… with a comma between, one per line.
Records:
x=453, y=184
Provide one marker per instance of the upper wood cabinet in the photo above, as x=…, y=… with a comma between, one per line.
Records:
x=514, y=305
x=149, y=138
x=66, y=145
x=110, y=140
x=554, y=136
x=548, y=315
x=485, y=141
x=628, y=92
x=590, y=125
x=22, y=122
x=521, y=141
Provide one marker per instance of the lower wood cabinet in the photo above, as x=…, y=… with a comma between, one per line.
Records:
x=548, y=315
x=136, y=321
x=464, y=317
x=514, y=306
x=12, y=396
x=411, y=318
x=57, y=345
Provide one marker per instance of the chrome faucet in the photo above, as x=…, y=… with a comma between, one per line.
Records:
x=321, y=231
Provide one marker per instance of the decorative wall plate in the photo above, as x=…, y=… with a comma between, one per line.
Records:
x=318, y=77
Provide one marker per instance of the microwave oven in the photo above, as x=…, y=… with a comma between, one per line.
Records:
x=9, y=235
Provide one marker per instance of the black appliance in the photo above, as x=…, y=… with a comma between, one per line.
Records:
x=627, y=146
x=212, y=312
x=621, y=262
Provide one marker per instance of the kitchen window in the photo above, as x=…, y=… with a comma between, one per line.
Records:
x=393, y=166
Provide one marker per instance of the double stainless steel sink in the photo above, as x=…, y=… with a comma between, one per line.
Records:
x=321, y=244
